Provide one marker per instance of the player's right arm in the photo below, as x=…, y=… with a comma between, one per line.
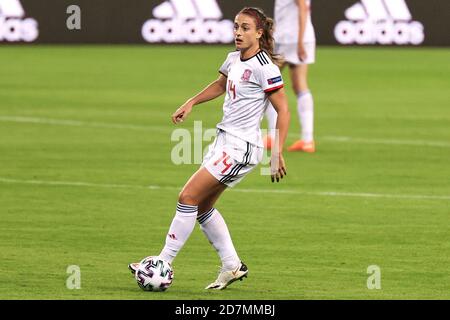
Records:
x=212, y=91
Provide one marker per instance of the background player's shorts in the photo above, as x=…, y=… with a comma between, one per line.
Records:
x=230, y=158
x=289, y=52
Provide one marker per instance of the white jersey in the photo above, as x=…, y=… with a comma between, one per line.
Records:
x=246, y=99
x=287, y=24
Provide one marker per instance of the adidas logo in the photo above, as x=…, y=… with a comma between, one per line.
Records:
x=13, y=26
x=379, y=21
x=190, y=21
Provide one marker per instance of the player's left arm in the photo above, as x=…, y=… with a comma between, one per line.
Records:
x=302, y=16
x=279, y=102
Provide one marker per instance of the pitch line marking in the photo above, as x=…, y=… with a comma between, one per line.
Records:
x=297, y=192
x=388, y=141
x=153, y=128
x=77, y=123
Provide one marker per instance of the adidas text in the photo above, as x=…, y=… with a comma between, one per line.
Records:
x=191, y=21
x=379, y=22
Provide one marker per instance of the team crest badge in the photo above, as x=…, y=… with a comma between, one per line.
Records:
x=246, y=75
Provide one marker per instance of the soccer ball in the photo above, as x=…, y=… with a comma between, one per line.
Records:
x=154, y=274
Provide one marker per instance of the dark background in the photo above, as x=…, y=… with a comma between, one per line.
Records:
x=120, y=21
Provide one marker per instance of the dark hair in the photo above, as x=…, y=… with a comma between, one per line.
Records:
x=266, y=42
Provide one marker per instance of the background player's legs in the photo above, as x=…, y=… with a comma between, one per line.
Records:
x=200, y=186
x=305, y=106
x=215, y=229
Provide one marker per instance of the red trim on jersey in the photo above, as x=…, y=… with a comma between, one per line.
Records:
x=274, y=88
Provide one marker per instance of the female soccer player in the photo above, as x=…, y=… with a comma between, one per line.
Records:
x=250, y=80
x=296, y=42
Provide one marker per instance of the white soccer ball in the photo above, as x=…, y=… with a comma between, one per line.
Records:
x=154, y=274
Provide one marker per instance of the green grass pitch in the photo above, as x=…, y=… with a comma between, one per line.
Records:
x=85, y=129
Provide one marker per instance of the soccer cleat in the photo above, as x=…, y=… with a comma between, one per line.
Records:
x=133, y=267
x=267, y=140
x=226, y=278
x=303, y=146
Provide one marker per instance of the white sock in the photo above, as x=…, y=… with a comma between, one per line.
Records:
x=305, y=106
x=182, y=225
x=271, y=115
x=216, y=230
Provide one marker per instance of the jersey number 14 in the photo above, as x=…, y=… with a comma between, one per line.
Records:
x=232, y=89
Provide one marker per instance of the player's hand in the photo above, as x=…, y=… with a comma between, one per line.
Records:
x=301, y=51
x=182, y=112
x=277, y=167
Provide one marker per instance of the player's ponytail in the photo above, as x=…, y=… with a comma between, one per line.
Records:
x=266, y=42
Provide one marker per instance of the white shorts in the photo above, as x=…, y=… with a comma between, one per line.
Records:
x=230, y=158
x=290, y=55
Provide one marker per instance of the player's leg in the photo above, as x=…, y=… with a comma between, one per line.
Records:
x=305, y=108
x=211, y=221
x=199, y=187
x=216, y=231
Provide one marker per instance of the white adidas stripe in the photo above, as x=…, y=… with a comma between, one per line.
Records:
x=271, y=191
x=188, y=9
x=375, y=9
x=379, y=10
x=11, y=9
x=398, y=10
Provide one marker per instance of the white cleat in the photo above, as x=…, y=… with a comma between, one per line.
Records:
x=226, y=278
